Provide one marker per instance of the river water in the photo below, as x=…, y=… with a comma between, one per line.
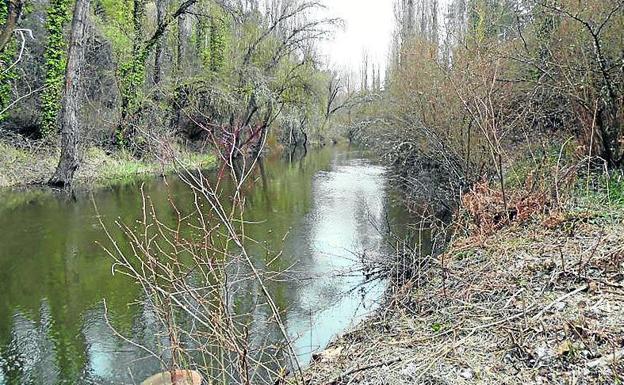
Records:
x=321, y=211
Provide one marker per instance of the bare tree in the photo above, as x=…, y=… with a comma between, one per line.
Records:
x=364, y=77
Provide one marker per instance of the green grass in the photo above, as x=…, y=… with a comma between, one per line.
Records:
x=103, y=168
x=19, y=167
x=122, y=167
x=606, y=190
x=197, y=160
x=598, y=198
x=616, y=188
x=538, y=168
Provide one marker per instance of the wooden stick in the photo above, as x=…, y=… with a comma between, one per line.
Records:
x=361, y=369
x=553, y=303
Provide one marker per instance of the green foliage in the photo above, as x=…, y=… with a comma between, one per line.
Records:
x=114, y=18
x=132, y=75
x=7, y=71
x=121, y=22
x=615, y=184
x=218, y=43
x=59, y=15
x=256, y=65
x=478, y=20
x=213, y=40
x=122, y=25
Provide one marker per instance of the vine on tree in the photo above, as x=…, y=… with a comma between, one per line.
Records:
x=7, y=72
x=218, y=43
x=55, y=56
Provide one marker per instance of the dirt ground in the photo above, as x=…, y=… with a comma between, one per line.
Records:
x=537, y=303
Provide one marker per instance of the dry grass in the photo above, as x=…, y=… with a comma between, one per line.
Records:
x=535, y=303
x=25, y=163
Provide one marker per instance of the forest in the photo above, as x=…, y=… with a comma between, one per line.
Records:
x=451, y=215
x=143, y=78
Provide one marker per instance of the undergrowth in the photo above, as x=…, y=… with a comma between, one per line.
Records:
x=30, y=165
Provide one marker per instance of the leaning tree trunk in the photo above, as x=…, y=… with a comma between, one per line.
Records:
x=70, y=127
x=14, y=10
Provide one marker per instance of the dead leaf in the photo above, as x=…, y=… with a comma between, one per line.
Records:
x=329, y=355
x=565, y=347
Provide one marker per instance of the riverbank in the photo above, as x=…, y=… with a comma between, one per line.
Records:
x=34, y=163
x=539, y=302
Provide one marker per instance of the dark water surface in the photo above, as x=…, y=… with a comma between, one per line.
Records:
x=322, y=211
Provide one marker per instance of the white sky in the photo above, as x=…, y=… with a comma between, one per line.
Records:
x=368, y=27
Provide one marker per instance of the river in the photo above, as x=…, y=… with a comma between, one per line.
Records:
x=320, y=212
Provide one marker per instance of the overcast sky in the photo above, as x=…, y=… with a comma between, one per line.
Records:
x=368, y=27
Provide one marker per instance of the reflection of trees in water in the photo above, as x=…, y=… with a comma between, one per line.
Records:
x=285, y=208
x=29, y=357
x=294, y=154
x=39, y=354
x=115, y=360
x=336, y=230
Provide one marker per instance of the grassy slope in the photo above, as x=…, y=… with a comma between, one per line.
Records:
x=536, y=303
x=19, y=167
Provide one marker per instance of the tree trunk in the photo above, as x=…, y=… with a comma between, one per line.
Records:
x=14, y=10
x=140, y=51
x=70, y=126
x=132, y=77
x=184, y=32
x=161, y=10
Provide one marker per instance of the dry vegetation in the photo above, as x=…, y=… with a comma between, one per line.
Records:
x=482, y=86
x=539, y=302
x=202, y=285
x=507, y=124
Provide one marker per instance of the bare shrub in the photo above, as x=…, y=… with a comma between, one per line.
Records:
x=192, y=269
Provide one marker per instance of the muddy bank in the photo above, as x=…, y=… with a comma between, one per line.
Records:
x=537, y=303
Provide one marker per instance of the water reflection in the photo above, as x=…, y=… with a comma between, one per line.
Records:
x=349, y=202
x=321, y=210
